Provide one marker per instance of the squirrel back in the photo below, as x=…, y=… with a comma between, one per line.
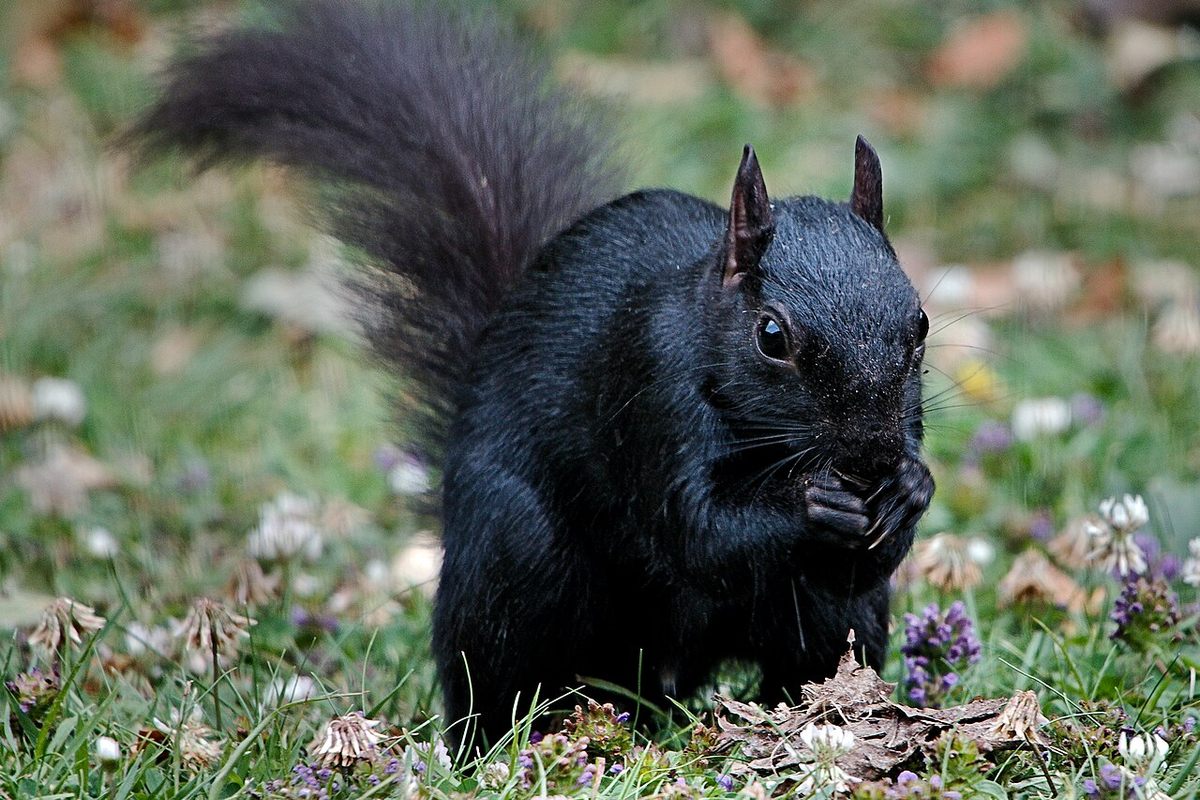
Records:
x=674, y=433
x=448, y=158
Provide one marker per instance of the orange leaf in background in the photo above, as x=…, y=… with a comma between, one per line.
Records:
x=900, y=111
x=980, y=53
x=760, y=75
x=36, y=63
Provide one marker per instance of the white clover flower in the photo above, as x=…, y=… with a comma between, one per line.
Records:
x=1191, y=566
x=417, y=565
x=287, y=529
x=408, y=476
x=58, y=399
x=98, y=542
x=295, y=689
x=108, y=751
x=1127, y=514
x=980, y=550
x=496, y=775
x=142, y=640
x=1145, y=753
x=827, y=742
x=1046, y=416
x=1045, y=280
x=1115, y=550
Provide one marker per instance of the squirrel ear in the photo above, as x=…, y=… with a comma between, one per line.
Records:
x=751, y=222
x=867, y=198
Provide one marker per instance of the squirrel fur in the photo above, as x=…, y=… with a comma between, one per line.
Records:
x=672, y=433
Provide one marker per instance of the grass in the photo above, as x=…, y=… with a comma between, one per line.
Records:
x=134, y=284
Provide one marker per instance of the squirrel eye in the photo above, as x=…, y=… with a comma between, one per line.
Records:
x=771, y=340
x=922, y=327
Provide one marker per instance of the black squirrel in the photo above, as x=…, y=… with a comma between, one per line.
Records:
x=672, y=433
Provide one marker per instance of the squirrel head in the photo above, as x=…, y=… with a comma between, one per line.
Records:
x=821, y=334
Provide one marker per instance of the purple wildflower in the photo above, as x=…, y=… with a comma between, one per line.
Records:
x=195, y=477
x=1145, y=612
x=725, y=782
x=990, y=437
x=35, y=691
x=910, y=786
x=1041, y=526
x=937, y=646
x=1086, y=409
x=387, y=456
x=1113, y=783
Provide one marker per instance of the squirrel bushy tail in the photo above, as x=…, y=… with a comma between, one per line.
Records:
x=449, y=160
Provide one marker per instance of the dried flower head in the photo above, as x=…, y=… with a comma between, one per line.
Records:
x=1034, y=580
x=1021, y=718
x=250, y=586
x=1073, y=546
x=198, y=745
x=347, y=740
x=945, y=562
x=59, y=482
x=287, y=529
x=937, y=646
x=1045, y=280
x=1177, y=329
x=1191, y=567
x=16, y=404
x=65, y=621
x=210, y=626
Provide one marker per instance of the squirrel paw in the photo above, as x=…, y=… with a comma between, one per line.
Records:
x=836, y=516
x=898, y=503
x=841, y=517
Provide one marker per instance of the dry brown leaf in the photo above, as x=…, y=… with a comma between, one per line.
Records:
x=899, y=111
x=889, y=736
x=36, y=63
x=762, y=76
x=980, y=53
